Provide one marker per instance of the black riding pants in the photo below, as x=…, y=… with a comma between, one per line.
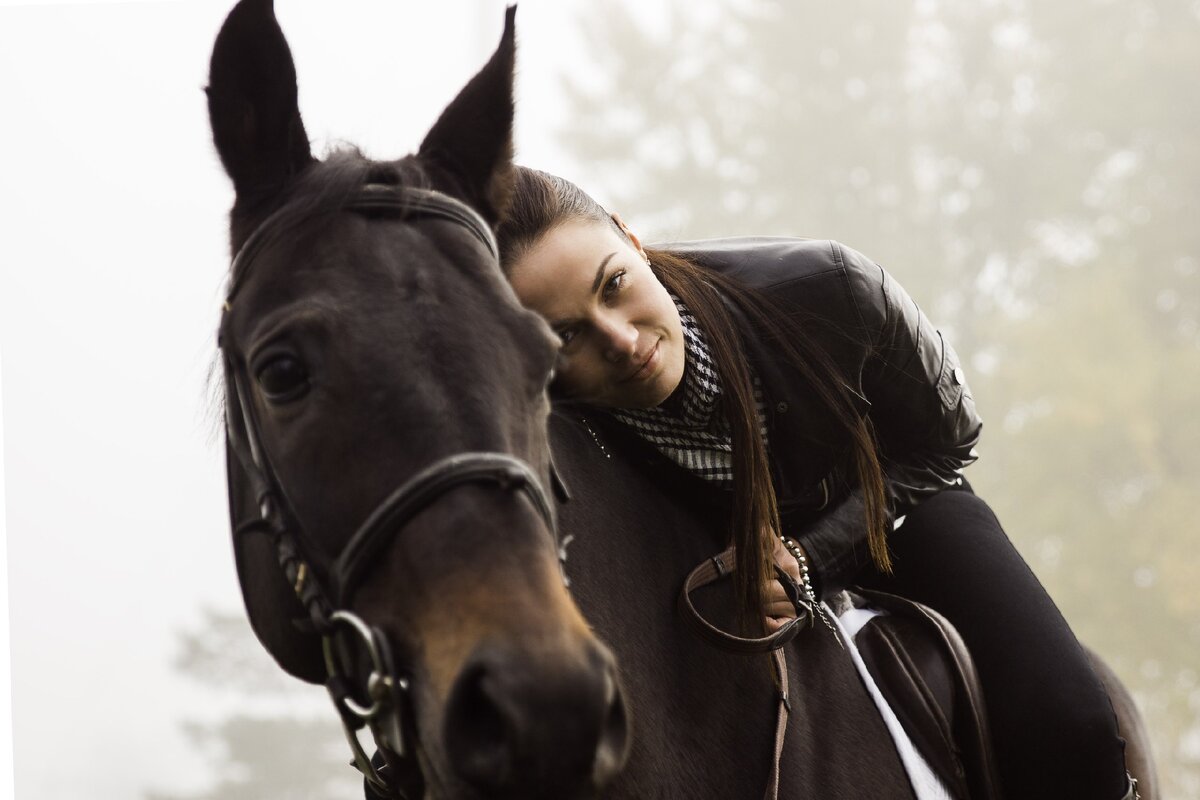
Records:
x=1052, y=723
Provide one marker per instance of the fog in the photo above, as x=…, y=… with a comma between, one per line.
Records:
x=1037, y=197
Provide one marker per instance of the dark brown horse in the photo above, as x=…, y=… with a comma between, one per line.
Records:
x=389, y=454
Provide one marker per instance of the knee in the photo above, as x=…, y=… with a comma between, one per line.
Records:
x=951, y=522
x=953, y=506
x=1078, y=718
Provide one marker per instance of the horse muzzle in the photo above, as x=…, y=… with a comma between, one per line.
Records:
x=536, y=722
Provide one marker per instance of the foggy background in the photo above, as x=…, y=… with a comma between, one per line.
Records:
x=1029, y=172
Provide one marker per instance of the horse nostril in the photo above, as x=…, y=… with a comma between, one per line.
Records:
x=614, y=738
x=547, y=723
x=479, y=733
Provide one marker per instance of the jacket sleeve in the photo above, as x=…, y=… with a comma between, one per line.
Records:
x=920, y=406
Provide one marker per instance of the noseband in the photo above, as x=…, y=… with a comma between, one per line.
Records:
x=387, y=710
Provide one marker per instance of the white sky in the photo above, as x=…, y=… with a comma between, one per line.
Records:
x=113, y=246
x=6, y=764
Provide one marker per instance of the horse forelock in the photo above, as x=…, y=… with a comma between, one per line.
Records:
x=320, y=192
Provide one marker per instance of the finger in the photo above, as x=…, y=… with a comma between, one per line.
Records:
x=779, y=607
x=786, y=561
x=774, y=592
x=785, y=609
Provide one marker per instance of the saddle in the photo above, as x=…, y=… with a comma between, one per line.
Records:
x=924, y=671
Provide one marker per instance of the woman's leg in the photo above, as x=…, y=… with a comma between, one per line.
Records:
x=1052, y=723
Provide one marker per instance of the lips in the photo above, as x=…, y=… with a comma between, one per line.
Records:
x=644, y=365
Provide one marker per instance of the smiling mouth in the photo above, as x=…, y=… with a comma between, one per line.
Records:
x=641, y=366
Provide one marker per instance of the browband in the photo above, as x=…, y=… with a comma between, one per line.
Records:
x=404, y=201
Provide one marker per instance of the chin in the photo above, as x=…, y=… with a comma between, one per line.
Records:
x=668, y=383
x=642, y=397
x=660, y=397
x=654, y=395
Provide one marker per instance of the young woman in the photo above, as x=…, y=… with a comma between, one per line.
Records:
x=798, y=379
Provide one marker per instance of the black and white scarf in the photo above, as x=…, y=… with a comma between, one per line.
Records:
x=694, y=433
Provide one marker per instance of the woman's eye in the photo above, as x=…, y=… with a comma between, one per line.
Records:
x=283, y=378
x=614, y=283
x=566, y=335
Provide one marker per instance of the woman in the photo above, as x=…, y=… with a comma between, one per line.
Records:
x=801, y=380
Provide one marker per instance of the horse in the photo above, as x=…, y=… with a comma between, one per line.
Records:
x=486, y=582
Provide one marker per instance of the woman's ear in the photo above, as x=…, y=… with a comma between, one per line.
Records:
x=634, y=240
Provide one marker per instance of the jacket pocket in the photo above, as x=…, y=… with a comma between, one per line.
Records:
x=952, y=383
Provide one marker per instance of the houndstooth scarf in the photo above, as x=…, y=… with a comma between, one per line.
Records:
x=694, y=433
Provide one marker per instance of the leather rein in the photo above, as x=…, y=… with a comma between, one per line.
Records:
x=384, y=703
x=721, y=566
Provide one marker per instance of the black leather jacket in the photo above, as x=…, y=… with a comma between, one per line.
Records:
x=903, y=374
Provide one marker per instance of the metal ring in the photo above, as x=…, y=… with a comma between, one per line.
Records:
x=377, y=666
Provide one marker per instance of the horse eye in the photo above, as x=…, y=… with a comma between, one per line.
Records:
x=283, y=378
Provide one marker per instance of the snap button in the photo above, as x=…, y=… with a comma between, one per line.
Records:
x=958, y=376
x=781, y=407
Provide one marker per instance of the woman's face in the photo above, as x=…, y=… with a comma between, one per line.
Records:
x=622, y=339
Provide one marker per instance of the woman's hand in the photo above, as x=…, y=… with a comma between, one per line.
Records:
x=776, y=603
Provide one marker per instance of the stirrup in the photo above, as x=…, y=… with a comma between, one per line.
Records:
x=1132, y=794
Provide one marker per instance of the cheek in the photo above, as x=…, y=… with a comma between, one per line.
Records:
x=669, y=313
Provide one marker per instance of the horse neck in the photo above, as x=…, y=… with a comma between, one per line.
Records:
x=634, y=540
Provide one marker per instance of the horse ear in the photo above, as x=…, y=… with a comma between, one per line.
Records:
x=472, y=139
x=252, y=105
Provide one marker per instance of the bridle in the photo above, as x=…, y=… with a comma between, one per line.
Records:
x=387, y=709
x=384, y=703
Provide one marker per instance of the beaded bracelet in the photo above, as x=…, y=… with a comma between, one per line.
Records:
x=806, y=586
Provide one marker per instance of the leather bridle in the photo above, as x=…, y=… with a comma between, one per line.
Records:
x=387, y=708
x=384, y=704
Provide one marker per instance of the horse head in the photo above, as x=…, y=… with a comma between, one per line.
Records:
x=387, y=450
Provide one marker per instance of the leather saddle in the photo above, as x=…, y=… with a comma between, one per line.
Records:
x=923, y=670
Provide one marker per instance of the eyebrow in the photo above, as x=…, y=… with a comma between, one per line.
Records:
x=558, y=323
x=600, y=272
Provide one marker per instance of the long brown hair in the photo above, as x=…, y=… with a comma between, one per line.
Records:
x=542, y=201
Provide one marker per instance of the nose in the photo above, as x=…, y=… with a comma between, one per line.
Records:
x=537, y=728
x=620, y=339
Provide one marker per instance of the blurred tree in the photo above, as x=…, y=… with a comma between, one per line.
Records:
x=282, y=741
x=1029, y=172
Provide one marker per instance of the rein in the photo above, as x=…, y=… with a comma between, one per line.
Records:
x=387, y=709
x=720, y=566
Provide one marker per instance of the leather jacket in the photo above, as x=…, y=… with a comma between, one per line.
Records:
x=902, y=374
